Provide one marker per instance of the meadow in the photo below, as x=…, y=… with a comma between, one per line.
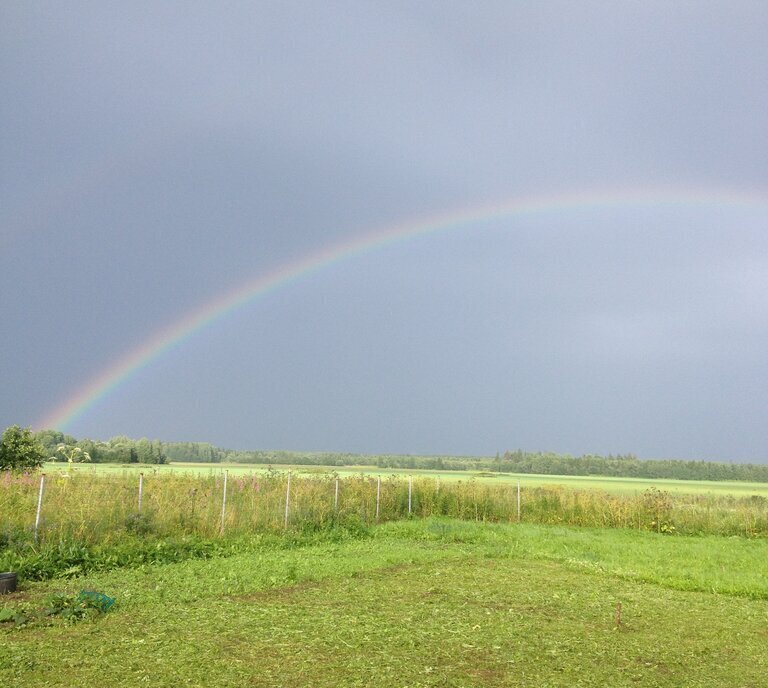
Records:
x=605, y=483
x=330, y=579
x=429, y=602
x=90, y=516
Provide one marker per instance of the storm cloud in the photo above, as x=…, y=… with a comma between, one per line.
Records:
x=155, y=156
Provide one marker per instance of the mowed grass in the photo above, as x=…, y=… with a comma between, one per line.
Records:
x=420, y=603
x=577, y=482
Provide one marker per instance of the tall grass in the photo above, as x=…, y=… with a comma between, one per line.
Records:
x=82, y=510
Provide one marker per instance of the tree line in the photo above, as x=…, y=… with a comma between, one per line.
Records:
x=119, y=449
x=55, y=445
x=517, y=461
x=628, y=466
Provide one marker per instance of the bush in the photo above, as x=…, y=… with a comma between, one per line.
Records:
x=19, y=450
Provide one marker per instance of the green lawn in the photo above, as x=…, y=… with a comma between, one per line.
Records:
x=420, y=603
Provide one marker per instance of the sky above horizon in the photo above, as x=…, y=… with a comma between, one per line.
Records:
x=155, y=157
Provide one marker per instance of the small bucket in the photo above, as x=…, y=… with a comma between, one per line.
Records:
x=7, y=582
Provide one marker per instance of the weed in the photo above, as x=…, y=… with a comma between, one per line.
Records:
x=70, y=608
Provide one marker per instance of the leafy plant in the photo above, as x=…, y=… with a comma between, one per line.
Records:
x=73, y=454
x=72, y=608
x=20, y=450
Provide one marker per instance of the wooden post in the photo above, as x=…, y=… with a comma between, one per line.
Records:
x=224, y=501
x=287, y=500
x=141, y=489
x=39, y=503
x=410, y=494
x=378, y=496
x=518, y=501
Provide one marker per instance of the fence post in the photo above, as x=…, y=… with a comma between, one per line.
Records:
x=410, y=494
x=141, y=489
x=287, y=500
x=518, y=501
x=224, y=501
x=378, y=496
x=336, y=496
x=39, y=503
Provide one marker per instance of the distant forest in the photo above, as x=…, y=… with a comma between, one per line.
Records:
x=122, y=449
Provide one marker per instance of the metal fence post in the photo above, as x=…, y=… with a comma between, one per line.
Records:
x=287, y=500
x=336, y=496
x=39, y=504
x=224, y=501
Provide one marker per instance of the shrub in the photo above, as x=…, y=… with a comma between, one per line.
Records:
x=19, y=450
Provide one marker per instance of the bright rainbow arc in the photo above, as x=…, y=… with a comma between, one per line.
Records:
x=173, y=335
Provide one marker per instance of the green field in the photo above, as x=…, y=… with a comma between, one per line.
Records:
x=433, y=602
x=607, y=484
x=602, y=583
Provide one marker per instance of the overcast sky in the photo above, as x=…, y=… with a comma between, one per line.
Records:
x=154, y=156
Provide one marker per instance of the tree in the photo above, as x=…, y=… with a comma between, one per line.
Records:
x=19, y=450
x=50, y=439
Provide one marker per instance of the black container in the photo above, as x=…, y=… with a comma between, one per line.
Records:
x=7, y=582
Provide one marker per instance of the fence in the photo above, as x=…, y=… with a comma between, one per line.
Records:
x=101, y=509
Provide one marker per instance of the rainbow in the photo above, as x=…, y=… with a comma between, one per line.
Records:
x=166, y=339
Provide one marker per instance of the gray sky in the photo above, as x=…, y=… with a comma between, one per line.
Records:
x=154, y=156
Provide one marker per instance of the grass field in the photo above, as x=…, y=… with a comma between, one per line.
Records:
x=433, y=602
x=93, y=518
x=607, y=484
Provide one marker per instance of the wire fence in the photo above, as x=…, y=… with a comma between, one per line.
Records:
x=99, y=509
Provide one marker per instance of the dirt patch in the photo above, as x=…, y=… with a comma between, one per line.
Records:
x=284, y=592
x=652, y=663
x=10, y=598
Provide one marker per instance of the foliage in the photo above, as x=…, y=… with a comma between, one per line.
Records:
x=73, y=454
x=629, y=466
x=119, y=449
x=91, y=522
x=122, y=449
x=70, y=608
x=66, y=559
x=20, y=450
